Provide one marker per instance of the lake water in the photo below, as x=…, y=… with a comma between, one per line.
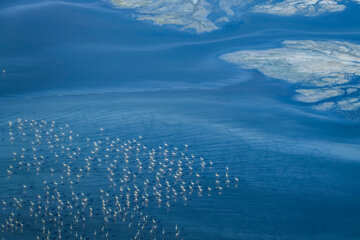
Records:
x=293, y=170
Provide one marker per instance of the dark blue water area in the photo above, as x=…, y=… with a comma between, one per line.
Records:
x=303, y=187
x=53, y=46
x=91, y=66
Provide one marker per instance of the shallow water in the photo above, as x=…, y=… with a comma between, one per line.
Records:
x=91, y=66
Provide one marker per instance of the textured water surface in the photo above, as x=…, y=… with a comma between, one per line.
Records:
x=179, y=119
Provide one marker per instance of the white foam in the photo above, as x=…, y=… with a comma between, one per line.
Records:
x=185, y=13
x=349, y=104
x=324, y=67
x=315, y=63
x=316, y=95
x=299, y=7
x=195, y=14
x=325, y=106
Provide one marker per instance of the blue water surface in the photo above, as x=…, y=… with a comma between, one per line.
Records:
x=92, y=66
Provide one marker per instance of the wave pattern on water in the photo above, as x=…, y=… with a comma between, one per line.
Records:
x=134, y=184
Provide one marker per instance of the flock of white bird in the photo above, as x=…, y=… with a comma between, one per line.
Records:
x=82, y=188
